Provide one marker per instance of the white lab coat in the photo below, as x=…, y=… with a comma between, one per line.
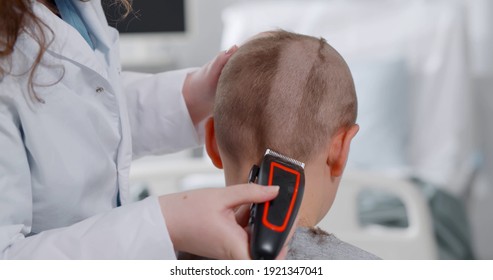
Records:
x=63, y=162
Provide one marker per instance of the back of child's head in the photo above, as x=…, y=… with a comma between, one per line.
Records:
x=283, y=91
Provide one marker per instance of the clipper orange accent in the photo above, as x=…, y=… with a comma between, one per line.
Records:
x=272, y=221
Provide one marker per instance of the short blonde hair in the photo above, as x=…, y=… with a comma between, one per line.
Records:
x=283, y=91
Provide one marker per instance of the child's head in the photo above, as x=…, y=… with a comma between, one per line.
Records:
x=293, y=94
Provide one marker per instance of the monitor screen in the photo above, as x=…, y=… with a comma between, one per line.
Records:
x=152, y=34
x=148, y=16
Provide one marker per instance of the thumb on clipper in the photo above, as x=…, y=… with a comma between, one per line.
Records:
x=250, y=193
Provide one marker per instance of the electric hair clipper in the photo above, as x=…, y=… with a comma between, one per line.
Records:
x=271, y=221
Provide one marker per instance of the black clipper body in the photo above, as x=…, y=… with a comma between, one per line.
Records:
x=272, y=221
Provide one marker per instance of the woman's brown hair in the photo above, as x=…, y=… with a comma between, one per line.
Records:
x=17, y=16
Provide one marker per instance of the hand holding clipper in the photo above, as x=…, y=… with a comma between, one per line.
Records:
x=272, y=221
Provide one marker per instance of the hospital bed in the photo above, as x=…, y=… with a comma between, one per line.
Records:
x=414, y=241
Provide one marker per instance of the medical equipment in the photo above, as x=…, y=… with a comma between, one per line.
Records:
x=272, y=221
x=415, y=241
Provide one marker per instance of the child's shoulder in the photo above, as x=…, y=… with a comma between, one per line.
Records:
x=316, y=244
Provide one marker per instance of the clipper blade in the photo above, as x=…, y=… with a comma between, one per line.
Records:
x=293, y=161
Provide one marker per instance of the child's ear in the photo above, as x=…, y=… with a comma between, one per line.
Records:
x=339, y=150
x=211, y=144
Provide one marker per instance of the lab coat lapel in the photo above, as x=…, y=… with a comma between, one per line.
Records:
x=67, y=43
x=96, y=23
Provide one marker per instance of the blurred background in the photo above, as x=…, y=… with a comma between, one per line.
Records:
x=419, y=182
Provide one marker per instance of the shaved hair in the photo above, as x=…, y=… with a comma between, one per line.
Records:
x=283, y=91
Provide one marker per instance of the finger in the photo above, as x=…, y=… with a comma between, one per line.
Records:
x=231, y=50
x=243, y=215
x=249, y=193
x=237, y=244
x=221, y=60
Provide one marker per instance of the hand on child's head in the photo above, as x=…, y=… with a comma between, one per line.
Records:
x=199, y=88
